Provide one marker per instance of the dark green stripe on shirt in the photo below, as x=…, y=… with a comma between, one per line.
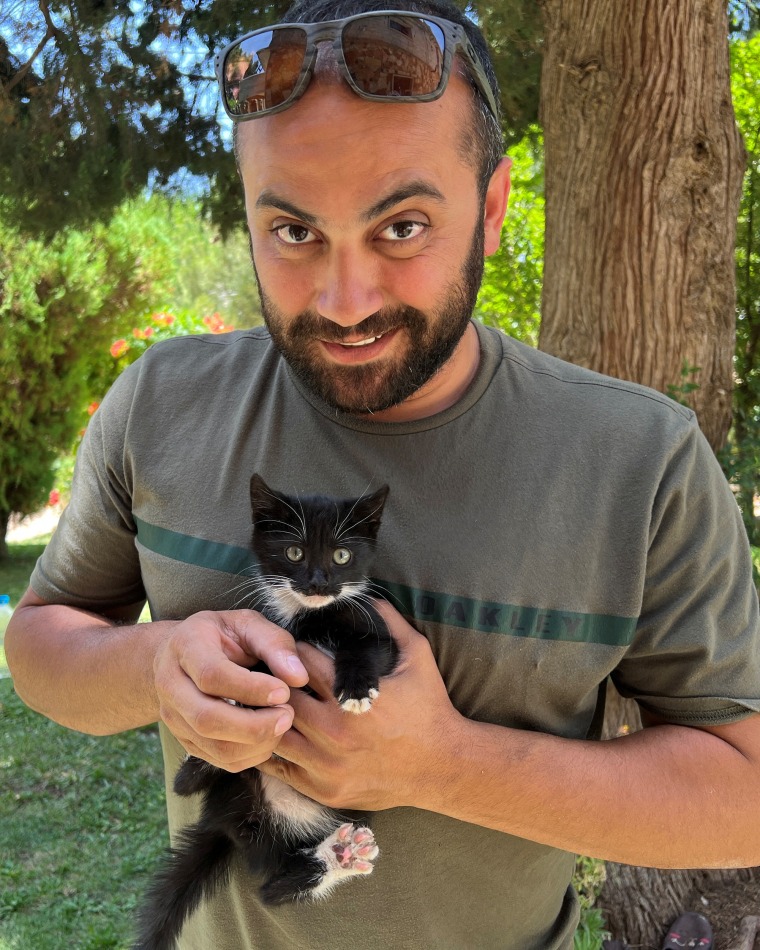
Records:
x=481, y=616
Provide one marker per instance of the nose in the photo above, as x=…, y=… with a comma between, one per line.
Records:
x=349, y=291
x=318, y=583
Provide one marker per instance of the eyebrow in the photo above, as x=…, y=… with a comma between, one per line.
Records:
x=413, y=189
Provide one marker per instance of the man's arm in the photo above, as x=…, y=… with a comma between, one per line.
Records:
x=95, y=674
x=669, y=796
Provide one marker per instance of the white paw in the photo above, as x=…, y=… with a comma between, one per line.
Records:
x=358, y=706
x=346, y=853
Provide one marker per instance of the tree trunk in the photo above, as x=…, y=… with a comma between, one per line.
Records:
x=644, y=166
x=4, y=519
x=638, y=904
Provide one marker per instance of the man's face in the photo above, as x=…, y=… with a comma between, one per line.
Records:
x=367, y=236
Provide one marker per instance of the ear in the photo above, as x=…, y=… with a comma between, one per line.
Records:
x=262, y=495
x=369, y=510
x=495, y=210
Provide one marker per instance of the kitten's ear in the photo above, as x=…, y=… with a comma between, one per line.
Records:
x=261, y=495
x=369, y=510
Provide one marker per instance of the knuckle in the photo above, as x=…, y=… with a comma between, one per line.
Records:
x=205, y=721
x=207, y=679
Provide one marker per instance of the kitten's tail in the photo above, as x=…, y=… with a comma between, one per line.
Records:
x=192, y=871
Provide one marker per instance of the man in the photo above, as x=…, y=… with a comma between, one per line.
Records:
x=545, y=527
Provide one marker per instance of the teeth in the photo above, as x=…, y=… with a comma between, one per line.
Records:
x=370, y=339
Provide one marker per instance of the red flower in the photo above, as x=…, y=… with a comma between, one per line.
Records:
x=92, y=407
x=54, y=497
x=119, y=348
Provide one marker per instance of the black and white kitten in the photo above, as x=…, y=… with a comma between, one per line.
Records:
x=314, y=554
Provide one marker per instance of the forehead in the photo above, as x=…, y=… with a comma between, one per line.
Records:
x=333, y=139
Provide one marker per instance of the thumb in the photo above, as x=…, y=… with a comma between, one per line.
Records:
x=265, y=641
x=406, y=637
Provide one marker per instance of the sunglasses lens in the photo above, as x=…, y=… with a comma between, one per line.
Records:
x=261, y=71
x=391, y=55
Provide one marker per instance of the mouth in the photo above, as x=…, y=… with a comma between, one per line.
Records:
x=359, y=351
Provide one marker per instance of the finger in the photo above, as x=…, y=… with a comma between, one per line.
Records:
x=295, y=748
x=207, y=718
x=264, y=640
x=238, y=765
x=320, y=667
x=216, y=676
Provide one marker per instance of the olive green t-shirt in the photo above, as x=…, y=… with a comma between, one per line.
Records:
x=553, y=528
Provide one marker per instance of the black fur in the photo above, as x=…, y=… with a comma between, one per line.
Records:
x=235, y=815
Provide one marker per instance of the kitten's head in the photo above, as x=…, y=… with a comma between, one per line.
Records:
x=316, y=549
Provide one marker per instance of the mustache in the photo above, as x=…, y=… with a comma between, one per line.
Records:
x=308, y=325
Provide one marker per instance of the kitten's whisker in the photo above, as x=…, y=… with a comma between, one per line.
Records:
x=355, y=524
x=356, y=502
x=382, y=594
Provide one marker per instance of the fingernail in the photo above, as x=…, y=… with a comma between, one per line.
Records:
x=283, y=724
x=277, y=696
x=295, y=665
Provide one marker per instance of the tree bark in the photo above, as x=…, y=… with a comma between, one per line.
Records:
x=644, y=166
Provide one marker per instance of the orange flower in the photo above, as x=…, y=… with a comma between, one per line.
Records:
x=119, y=348
x=92, y=407
x=163, y=319
x=216, y=324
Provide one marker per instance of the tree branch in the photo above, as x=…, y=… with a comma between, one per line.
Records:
x=51, y=31
x=28, y=64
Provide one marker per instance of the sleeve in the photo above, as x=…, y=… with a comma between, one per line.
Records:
x=695, y=657
x=91, y=561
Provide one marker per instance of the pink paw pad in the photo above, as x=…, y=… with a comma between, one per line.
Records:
x=355, y=848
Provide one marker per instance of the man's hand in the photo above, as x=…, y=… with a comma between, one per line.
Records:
x=203, y=662
x=380, y=759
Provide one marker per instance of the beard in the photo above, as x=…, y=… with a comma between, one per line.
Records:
x=376, y=385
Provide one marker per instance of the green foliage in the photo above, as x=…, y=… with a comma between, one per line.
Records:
x=510, y=295
x=100, y=99
x=590, y=934
x=514, y=32
x=60, y=299
x=741, y=458
x=744, y=17
x=679, y=391
x=210, y=272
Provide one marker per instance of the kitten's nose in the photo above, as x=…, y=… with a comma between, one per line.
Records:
x=318, y=583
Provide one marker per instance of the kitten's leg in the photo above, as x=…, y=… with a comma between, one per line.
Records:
x=194, y=775
x=356, y=679
x=313, y=872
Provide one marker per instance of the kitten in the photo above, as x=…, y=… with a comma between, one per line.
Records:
x=314, y=553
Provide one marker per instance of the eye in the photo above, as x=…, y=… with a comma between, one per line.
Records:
x=294, y=234
x=342, y=556
x=294, y=553
x=403, y=231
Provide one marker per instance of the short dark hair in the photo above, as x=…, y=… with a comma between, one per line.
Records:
x=481, y=143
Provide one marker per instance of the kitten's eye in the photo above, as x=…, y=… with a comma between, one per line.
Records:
x=342, y=556
x=294, y=553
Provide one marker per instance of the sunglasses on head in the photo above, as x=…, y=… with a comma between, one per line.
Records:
x=388, y=56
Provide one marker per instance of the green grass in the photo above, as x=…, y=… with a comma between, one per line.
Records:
x=83, y=822
x=82, y=818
